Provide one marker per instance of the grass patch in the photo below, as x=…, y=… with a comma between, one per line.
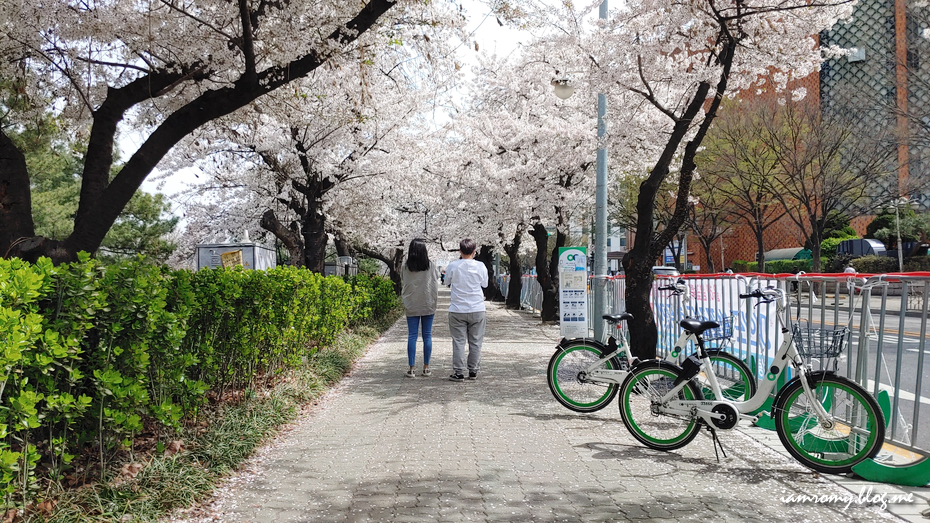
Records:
x=217, y=446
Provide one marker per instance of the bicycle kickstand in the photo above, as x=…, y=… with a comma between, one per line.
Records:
x=716, y=443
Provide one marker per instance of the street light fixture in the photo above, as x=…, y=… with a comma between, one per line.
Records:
x=563, y=88
x=417, y=206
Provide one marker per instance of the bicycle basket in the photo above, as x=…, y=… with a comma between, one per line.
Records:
x=723, y=332
x=812, y=342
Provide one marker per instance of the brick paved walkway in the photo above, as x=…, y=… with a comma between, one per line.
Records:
x=383, y=447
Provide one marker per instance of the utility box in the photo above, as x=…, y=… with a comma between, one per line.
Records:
x=343, y=266
x=249, y=255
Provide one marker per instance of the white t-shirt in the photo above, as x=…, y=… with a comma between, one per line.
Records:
x=466, y=278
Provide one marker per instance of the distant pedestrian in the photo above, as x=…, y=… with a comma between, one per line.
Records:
x=419, y=293
x=467, y=319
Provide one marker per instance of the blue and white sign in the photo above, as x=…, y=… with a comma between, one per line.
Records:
x=573, y=292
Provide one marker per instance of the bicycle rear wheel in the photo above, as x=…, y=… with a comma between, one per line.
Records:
x=736, y=381
x=640, y=402
x=855, y=430
x=568, y=381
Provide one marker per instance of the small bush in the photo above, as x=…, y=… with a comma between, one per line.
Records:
x=917, y=264
x=740, y=266
x=875, y=264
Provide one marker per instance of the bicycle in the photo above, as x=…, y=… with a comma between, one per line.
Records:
x=827, y=422
x=737, y=379
x=584, y=373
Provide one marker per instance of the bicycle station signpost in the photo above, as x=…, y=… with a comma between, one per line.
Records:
x=573, y=292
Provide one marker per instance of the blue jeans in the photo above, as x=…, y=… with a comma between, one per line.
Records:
x=413, y=324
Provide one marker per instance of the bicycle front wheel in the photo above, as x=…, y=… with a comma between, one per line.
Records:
x=568, y=381
x=854, y=430
x=736, y=381
x=640, y=406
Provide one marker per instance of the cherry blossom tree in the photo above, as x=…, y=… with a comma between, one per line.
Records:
x=163, y=69
x=305, y=154
x=675, y=62
x=532, y=155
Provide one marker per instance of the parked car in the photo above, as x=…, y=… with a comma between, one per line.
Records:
x=664, y=270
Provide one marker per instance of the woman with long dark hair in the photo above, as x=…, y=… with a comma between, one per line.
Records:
x=420, y=292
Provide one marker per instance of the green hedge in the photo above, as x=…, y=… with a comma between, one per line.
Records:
x=88, y=352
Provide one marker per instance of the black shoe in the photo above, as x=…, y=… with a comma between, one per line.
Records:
x=472, y=375
x=457, y=377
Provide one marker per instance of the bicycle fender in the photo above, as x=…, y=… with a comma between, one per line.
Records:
x=568, y=342
x=661, y=363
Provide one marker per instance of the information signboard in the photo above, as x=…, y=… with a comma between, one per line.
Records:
x=573, y=292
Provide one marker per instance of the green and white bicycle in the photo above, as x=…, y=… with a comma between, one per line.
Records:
x=584, y=374
x=827, y=422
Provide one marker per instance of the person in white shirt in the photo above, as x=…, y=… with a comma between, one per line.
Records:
x=467, y=320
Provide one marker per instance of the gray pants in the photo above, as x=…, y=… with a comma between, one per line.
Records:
x=466, y=326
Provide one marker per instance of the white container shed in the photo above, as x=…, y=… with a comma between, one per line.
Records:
x=253, y=256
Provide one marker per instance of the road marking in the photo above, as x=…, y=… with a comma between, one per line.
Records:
x=904, y=395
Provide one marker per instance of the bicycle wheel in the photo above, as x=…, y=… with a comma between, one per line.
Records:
x=854, y=432
x=639, y=404
x=568, y=382
x=736, y=381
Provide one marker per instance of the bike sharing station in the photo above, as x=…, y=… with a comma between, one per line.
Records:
x=814, y=430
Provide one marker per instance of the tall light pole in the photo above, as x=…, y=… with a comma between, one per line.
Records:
x=900, y=202
x=564, y=89
x=600, y=237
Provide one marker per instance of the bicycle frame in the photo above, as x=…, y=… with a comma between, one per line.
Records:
x=595, y=372
x=787, y=353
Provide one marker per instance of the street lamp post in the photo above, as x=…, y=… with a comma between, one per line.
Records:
x=563, y=90
x=906, y=203
x=425, y=211
x=600, y=245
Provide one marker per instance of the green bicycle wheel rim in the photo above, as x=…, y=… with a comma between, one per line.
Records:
x=855, y=458
x=686, y=392
x=557, y=382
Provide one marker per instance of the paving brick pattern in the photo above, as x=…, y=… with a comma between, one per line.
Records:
x=386, y=448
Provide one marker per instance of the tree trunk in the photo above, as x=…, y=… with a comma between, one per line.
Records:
x=343, y=247
x=760, y=248
x=103, y=199
x=515, y=286
x=493, y=291
x=314, y=233
x=707, y=256
x=394, y=262
x=548, y=279
x=291, y=240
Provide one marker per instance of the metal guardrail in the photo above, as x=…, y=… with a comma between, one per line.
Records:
x=887, y=343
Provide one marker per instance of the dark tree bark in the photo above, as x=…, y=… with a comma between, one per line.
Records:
x=288, y=236
x=15, y=198
x=493, y=291
x=515, y=286
x=547, y=271
x=343, y=247
x=394, y=261
x=101, y=200
x=647, y=245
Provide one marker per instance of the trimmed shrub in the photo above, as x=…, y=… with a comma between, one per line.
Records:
x=90, y=352
x=875, y=264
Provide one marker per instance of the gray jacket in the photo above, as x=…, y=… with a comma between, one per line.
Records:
x=420, y=290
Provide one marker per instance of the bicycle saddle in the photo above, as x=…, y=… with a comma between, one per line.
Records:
x=697, y=326
x=617, y=318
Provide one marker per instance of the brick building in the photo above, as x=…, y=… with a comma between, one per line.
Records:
x=888, y=76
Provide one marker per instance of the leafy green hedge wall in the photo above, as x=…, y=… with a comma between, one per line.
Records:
x=88, y=352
